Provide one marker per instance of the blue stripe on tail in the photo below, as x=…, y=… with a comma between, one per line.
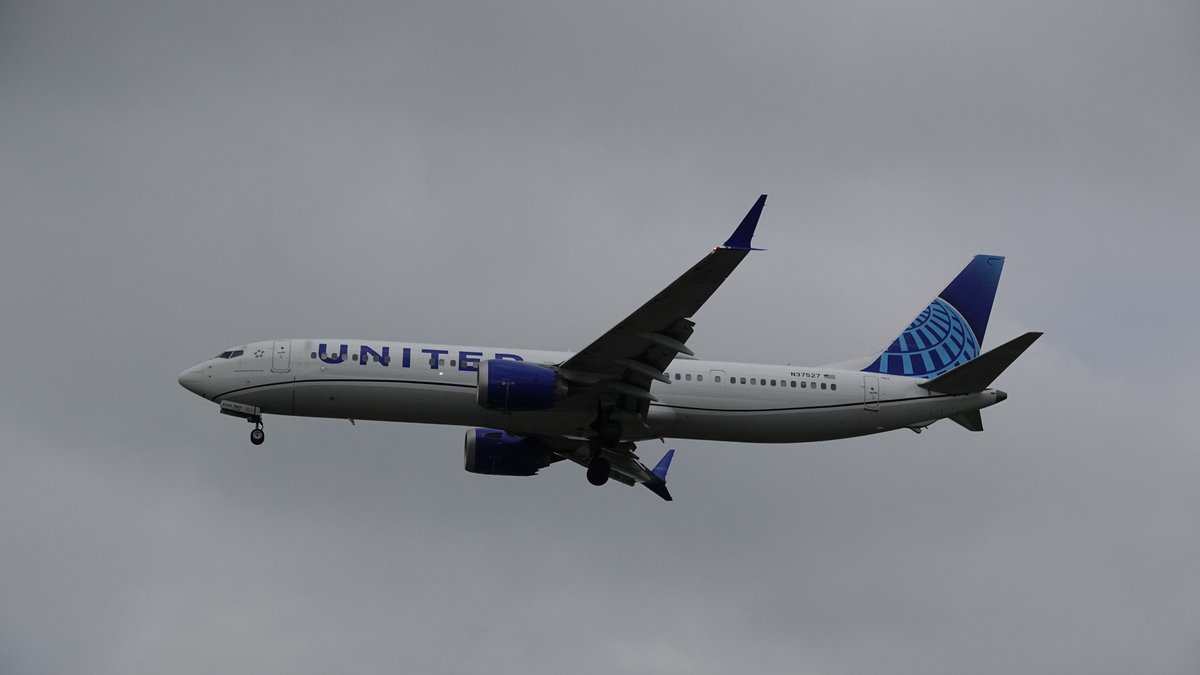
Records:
x=949, y=332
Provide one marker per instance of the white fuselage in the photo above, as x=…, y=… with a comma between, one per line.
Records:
x=436, y=384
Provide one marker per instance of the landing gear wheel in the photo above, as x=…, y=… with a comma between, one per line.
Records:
x=257, y=436
x=609, y=432
x=597, y=472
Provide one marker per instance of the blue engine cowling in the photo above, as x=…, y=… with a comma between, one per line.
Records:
x=516, y=385
x=495, y=453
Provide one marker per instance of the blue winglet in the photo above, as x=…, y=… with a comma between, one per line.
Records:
x=658, y=484
x=660, y=469
x=741, y=236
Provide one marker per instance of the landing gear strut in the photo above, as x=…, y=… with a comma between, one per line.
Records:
x=608, y=435
x=257, y=436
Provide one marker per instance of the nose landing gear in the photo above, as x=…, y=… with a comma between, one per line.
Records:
x=257, y=436
x=249, y=413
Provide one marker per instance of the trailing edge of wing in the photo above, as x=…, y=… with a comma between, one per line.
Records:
x=979, y=373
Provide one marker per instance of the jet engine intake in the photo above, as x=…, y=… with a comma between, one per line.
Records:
x=515, y=385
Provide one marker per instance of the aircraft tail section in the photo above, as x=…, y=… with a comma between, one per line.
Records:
x=949, y=332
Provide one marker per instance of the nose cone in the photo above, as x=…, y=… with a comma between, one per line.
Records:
x=192, y=380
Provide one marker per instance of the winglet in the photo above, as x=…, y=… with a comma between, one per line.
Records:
x=664, y=465
x=659, y=484
x=740, y=240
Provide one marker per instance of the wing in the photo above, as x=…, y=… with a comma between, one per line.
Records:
x=633, y=354
x=625, y=466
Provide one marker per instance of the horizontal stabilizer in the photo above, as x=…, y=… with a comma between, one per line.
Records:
x=971, y=420
x=979, y=373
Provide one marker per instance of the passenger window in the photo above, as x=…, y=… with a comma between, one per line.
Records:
x=753, y=381
x=354, y=357
x=772, y=383
x=441, y=362
x=743, y=380
x=312, y=355
x=793, y=384
x=452, y=364
x=677, y=376
x=716, y=378
x=688, y=377
x=763, y=382
x=833, y=387
x=699, y=378
x=804, y=385
x=822, y=385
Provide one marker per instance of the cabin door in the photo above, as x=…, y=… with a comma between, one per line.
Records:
x=871, y=392
x=281, y=356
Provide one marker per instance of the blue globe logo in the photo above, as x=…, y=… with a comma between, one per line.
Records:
x=936, y=341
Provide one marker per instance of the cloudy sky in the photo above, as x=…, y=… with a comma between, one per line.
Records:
x=180, y=177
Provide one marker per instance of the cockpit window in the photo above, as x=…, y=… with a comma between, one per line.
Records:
x=230, y=354
x=236, y=353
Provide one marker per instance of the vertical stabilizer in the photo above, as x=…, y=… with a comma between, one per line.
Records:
x=949, y=332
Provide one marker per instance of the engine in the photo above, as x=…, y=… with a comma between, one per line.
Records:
x=495, y=453
x=516, y=385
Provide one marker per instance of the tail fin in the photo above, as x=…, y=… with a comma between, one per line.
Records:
x=949, y=332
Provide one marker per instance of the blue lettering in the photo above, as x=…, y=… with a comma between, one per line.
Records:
x=469, y=361
x=509, y=357
x=329, y=359
x=434, y=355
x=364, y=351
x=405, y=357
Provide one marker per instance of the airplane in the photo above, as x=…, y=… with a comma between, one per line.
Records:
x=639, y=381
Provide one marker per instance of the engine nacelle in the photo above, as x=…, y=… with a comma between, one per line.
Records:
x=516, y=385
x=495, y=453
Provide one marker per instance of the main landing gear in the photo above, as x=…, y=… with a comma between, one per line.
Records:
x=608, y=434
x=599, y=467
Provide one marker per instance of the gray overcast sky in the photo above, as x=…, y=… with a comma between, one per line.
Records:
x=180, y=177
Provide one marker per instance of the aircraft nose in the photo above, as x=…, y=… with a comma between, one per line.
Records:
x=192, y=380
